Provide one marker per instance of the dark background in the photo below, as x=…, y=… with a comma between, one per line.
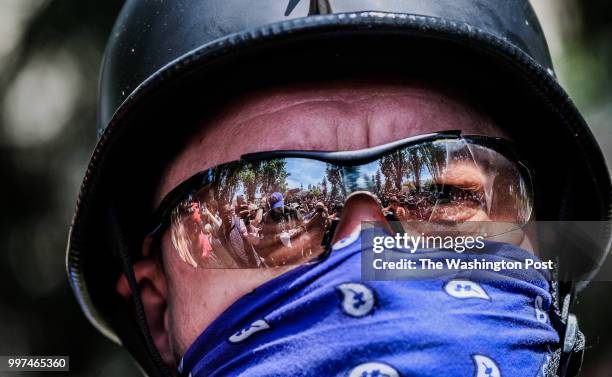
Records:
x=50, y=53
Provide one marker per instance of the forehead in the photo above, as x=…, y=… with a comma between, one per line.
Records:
x=334, y=115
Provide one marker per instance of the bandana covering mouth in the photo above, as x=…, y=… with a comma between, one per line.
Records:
x=322, y=320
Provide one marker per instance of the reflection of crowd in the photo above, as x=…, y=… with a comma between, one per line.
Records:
x=272, y=229
x=251, y=233
x=410, y=205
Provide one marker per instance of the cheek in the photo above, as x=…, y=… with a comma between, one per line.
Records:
x=196, y=297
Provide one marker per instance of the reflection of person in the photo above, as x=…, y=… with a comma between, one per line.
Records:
x=241, y=208
x=317, y=222
x=338, y=207
x=182, y=248
x=274, y=217
x=398, y=212
x=276, y=201
x=219, y=257
x=378, y=77
x=235, y=237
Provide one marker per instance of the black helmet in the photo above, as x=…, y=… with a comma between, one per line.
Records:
x=167, y=62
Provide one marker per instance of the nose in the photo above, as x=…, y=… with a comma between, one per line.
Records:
x=360, y=206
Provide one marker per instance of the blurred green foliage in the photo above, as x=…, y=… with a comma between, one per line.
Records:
x=41, y=174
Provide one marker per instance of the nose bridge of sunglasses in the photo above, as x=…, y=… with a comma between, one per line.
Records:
x=360, y=206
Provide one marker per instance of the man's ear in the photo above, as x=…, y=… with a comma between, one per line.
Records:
x=151, y=282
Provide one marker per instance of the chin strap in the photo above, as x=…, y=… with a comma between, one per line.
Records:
x=572, y=350
x=572, y=341
x=150, y=359
x=567, y=360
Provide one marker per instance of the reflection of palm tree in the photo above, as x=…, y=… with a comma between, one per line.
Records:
x=334, y=177
x=264, y=176
x=226, y=178
x=393, y=167
x=414, y=168
x=433, y=158
x=274, y=175
x=411, y=164
x=249, y=175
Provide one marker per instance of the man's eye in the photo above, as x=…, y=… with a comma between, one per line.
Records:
x=443, y=202
x=449, y=194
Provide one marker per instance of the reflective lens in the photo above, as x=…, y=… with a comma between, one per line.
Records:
x=277, y=212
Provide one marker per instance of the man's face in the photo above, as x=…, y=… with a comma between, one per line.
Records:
x=342, y=115
x=227, y=212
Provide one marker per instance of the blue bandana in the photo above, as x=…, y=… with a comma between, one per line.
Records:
x=322, y=320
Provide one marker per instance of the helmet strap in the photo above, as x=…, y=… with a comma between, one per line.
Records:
x=160, y=368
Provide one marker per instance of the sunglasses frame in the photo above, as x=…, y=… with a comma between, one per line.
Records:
x=161, y=216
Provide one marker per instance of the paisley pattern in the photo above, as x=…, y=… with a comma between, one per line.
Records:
x=322, y=320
